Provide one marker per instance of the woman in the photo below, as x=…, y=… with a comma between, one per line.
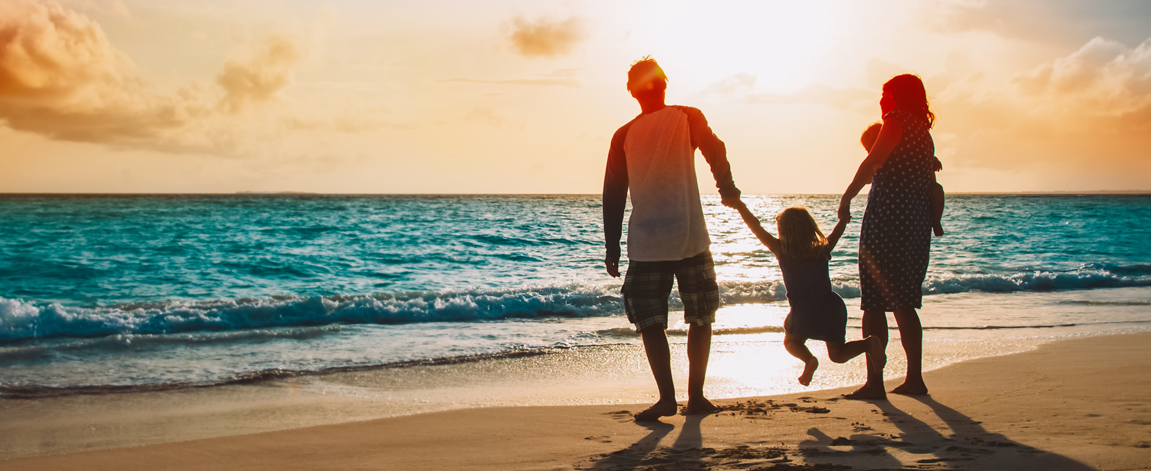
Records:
x=896, y=235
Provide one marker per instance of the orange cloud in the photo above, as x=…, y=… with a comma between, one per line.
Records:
x=1103, y=79
x=60, y=77
x=818, y=94
x=546, y=38
x=260, y=75
x=1089, y=111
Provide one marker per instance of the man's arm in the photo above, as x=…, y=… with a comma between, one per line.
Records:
x=714, y=151
x=614, y=200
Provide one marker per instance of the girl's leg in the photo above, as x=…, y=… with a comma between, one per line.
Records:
x=797, y=348
x=874, y=325
x=911, y=336
x=844, y=352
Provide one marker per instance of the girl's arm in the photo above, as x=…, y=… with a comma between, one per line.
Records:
x=889, y=136
x=836, y=233
x=753, y=223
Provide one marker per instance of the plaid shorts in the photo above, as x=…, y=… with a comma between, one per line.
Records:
x=647, y=285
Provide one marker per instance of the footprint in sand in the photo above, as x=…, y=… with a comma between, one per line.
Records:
x=620, y=415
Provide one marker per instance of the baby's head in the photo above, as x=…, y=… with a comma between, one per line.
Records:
x=799, y=234
x=870, y=135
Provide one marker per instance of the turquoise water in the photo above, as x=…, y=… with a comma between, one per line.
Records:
x=99, y=291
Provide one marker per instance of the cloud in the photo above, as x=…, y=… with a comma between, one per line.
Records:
x=484, y=115
x=1049, y=21
x=545, y=37
x=60, y=77
x=1089, y=110
x=257, y=76
x=737, y=84
x=546, y=82
x=557, y=78
x=1103, y=75
x=818, y=94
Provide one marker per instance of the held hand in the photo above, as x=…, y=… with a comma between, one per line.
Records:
x=845, y=209
x=733, y=203
x=612, y=267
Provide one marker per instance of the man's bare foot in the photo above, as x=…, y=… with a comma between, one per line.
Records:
x=660, y=409
x=877, y=352
x=809, y=367
x=700, y=406
x=867, y=392
x=911, y=387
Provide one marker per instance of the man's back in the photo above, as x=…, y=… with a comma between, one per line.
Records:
x=667, y=218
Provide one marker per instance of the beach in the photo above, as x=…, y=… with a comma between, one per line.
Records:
x=318, y=332
x=1072, y=404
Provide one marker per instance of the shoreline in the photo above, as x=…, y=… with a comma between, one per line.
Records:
x=1071, y=404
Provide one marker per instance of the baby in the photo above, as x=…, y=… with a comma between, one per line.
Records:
x=868, y=139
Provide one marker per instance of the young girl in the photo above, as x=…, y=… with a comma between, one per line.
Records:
x=816, y=311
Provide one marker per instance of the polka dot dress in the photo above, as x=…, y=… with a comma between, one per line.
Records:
x=895, y=240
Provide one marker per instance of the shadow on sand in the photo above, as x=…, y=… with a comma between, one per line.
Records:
x=962, y=443
x=920, y=446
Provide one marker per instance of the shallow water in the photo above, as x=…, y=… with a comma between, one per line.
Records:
x=167, y=291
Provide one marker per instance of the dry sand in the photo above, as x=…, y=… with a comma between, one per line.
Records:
x=1070, y=405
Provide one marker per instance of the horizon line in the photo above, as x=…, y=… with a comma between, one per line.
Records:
x=308, y=193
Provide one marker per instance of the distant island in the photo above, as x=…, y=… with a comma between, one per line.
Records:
x=276, y=193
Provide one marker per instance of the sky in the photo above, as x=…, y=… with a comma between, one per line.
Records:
x=522, y=96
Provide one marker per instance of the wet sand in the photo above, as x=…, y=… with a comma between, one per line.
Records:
x=1069, y=405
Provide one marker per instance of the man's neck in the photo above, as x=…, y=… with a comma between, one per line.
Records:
x=651, y=107
x=651, y=102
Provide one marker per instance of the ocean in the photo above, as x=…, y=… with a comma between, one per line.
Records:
x=108, y=293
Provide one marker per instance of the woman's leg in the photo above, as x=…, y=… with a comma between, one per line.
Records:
x=797, y=347
x=911, y=336
x=874, y=325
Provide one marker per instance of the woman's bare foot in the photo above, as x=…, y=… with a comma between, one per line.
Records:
x=660, y=409
x=911, y=387
x=867, y=392
x=809, y=367
x=700, y=406
x=878, y=354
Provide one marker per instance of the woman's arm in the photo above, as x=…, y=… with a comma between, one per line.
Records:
x=756, y=228
x=836, y=233
x=889, y=136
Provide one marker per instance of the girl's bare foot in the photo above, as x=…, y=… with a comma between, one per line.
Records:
x=867, y=392
x=660, y=409
x=911, y=387
x=809, y=367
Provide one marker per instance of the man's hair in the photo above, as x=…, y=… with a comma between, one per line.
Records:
x=643, y=72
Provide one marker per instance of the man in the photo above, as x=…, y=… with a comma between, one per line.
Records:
x=654, y=157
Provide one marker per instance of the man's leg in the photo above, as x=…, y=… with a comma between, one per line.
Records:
x=659, y=358
x=645, y=291
x=698, y=353
x=699, y=292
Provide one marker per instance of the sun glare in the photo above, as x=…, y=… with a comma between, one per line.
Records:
x=778, y=42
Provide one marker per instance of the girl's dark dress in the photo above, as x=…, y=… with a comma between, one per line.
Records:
x=895, y=239
x=816, y=311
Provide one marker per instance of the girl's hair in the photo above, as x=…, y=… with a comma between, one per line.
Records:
x=910, y=96
x=799, y=235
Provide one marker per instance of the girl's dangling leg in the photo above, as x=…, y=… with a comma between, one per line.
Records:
x=797, y=347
